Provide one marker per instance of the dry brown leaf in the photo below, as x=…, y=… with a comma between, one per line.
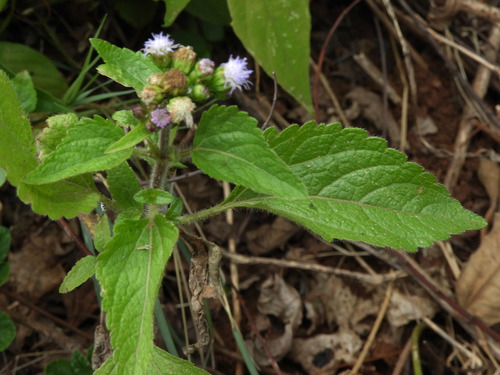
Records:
x=478, y=288
x=489, y=175
x=322, y=353
x=268, y=237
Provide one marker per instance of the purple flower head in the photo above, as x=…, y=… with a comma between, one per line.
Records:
x=206, y=66
x=159, y=45
x=160, y=117
x=236, y=73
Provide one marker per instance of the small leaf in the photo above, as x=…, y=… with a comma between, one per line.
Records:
x=25, y=90
x=277, y=34
x=7, y=331
x=80, y=152
x=229, y=146
x=129, y=140
x=4, y=272
x=78, y=365
x=130, y=271
x=129, y=68
x=155, y=196
x=360, y=190
x=175, y=209
x=125, y=118
x=123, y=185
x=81, y=272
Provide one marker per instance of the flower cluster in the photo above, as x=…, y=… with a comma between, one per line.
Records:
x=170, y=97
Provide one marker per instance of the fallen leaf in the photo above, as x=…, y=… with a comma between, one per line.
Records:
x=478, y=288
x=322, y=353
x=268, y=237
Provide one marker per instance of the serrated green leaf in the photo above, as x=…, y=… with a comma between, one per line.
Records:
x=125, y=118
x=66, y=198
x=129, y=140
x=15, y=134
x=129, y=68
x=17, y=57
x=360, y=190
x=55, y=132
x=277, y=34
x=229, y=146
x=25, y=90
x=123, y=185
x=162, y=363
x=173, y=9
x=82, y=151
x=7, y=331
x=81, y=272
x=130, y=271
x=155, y=196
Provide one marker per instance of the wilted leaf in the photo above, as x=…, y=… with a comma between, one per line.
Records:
x=478, y=288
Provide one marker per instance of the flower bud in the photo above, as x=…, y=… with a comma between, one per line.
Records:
x=180, y=109
x=230, y=76
x=174, y=82
x=203, y=71
x=151, y=95
x=200, y=92
x=183, y=59
x=139, y=112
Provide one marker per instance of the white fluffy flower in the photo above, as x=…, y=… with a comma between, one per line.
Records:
x=159, y=45
x=236, y=73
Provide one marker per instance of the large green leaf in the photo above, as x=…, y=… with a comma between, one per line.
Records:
x=18, y=57
x=123, y=185
x=17, y=157
x=229, y=146
x=130, y=271
x=125, y=66
x=277, y=34
x=360, y=190
x=82, y=151
x=173, y=9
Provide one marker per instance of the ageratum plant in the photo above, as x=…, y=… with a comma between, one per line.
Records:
x=337, y=182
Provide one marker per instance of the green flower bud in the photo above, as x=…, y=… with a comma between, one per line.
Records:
x=183, y=59
x=199, y=92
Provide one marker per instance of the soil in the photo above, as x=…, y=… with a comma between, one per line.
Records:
x=342, y=309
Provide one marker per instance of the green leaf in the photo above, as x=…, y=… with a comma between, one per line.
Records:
x=162, y=363
x=125, y=118
x=360, y=190
x=15, y=134
x=155, y=196
x=4, y=272
x=3, y=176
x=17, y=57
x=55, y=132
x=123, y=184
x=66, y=198
x=78, y=365
x=129, y=68
x=173, y=9
x=213, y=11
x=130, y=271
x=102, y=233
x=5, y=240
x=7, y=331
x=81, y=151
x=277, y=34
x=25, y=90
x=129, y=140
x=229, y=146
x=81, y=272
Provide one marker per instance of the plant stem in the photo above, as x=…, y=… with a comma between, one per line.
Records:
x=203, y=214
